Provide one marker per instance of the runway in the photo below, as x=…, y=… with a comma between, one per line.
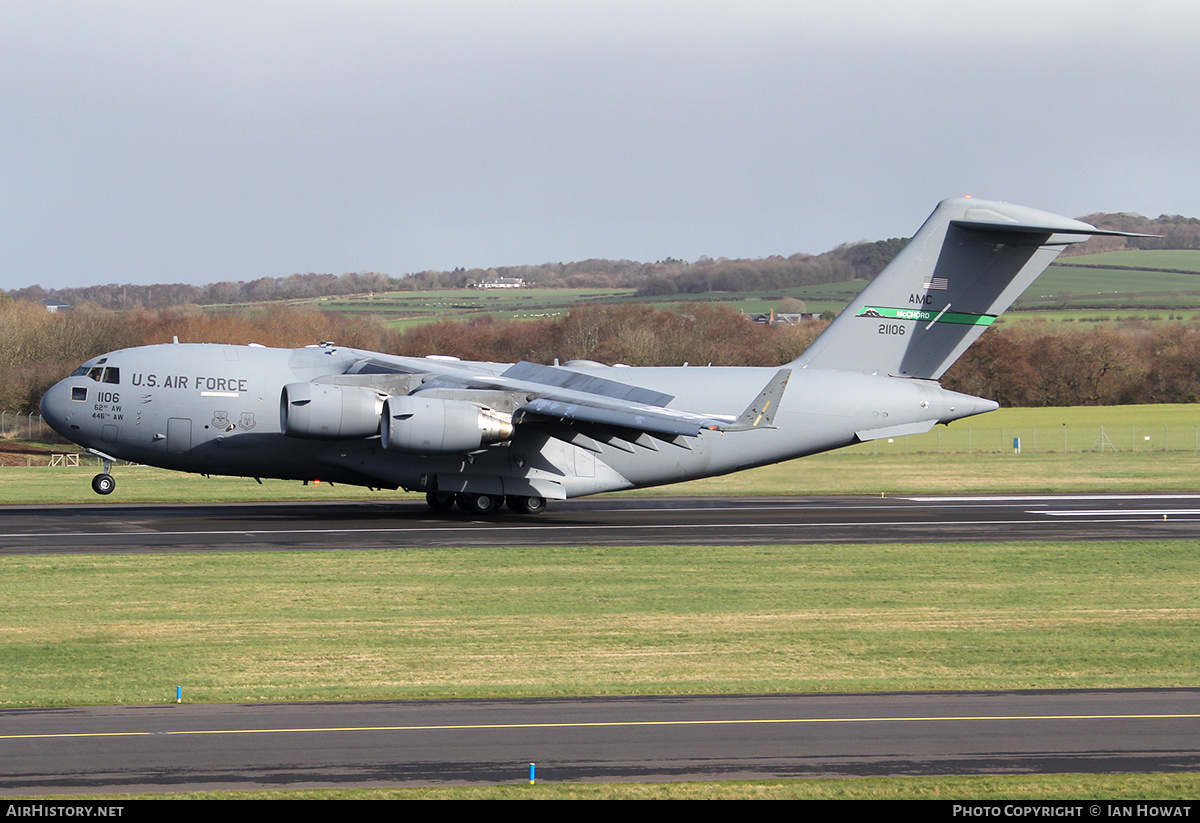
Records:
x=184, y=747
x=195, y=748
x=407, y=523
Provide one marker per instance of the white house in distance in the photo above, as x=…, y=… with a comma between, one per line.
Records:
x=499, y=283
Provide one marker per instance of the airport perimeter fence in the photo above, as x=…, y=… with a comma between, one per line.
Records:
x=20, y=426
x=965, y=438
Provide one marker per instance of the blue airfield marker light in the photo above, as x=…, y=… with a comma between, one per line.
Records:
x=532, y=773
x=179, y=694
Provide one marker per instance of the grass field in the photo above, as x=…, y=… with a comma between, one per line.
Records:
x=1182, y=259
x=1097, y=448
x=891, y=471
x=1061, y=294
x=1094, y=316
x=1069, y=289
x=587, y=620
x=521, y=304
x=558, y=621
x=1151, y=294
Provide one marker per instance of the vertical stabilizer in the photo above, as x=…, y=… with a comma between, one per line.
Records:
x=964, y=267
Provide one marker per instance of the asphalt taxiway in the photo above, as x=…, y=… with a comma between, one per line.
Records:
x=195, y=748
x=408, y=523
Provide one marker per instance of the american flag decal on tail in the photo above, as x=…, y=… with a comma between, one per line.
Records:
x=939, y=283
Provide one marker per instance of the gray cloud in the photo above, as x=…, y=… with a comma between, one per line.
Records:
x=152, y=142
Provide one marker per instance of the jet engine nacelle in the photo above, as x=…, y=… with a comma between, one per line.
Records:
x=425, y=425
x=323, y=412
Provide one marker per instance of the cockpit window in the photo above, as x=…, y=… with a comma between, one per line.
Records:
x=98, y=373
x=79, y=392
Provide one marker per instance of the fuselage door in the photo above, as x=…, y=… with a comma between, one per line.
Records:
x=179, y=435
x=585, y=463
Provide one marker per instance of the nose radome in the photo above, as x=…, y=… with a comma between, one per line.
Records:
x=55, y=409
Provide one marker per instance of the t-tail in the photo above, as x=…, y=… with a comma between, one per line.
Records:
x=965, y=266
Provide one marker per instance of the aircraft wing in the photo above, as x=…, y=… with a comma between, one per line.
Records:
x=567, y=395
x=555, y=393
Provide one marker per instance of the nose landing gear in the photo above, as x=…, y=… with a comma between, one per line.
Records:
x=104, y=483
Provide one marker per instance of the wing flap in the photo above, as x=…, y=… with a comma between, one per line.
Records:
x=590, y=384
x=640, y=418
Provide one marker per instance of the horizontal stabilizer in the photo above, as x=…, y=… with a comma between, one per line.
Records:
x=1017, y=228
x=899, y=430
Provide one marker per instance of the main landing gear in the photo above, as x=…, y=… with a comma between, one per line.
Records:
x=526, y=505
x=479, y=504
x=440, y=501
x=104, y=483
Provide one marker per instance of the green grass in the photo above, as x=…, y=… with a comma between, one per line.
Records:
x=891, y=471
x=560, y=621
x=1173, y=427
x=1094, y=316
x=1097, y=787
x=1060, y=287
x=526, y=303
x=1152, y=294
x=1183, y=259
x=1143, y=448
x=1068, y=286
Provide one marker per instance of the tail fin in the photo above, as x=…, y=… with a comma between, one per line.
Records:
x=964, y=267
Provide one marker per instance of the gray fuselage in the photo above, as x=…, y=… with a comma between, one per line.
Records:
x=215, y=409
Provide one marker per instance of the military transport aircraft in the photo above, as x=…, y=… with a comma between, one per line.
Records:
x=479, y=435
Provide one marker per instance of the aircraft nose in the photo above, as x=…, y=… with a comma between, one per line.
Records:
x=56, y=408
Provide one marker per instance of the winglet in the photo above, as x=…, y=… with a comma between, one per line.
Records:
x=760, y=414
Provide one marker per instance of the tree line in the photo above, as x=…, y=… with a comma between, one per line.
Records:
x=1016, y=364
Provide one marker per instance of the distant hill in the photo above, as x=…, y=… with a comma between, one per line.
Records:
x=848, y=262
x=1176, y=232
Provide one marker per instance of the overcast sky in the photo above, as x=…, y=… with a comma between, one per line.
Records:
x=162, y=141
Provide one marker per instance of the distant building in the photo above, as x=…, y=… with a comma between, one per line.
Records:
x=786, y=318
x=499, y=283
x=53, y=306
